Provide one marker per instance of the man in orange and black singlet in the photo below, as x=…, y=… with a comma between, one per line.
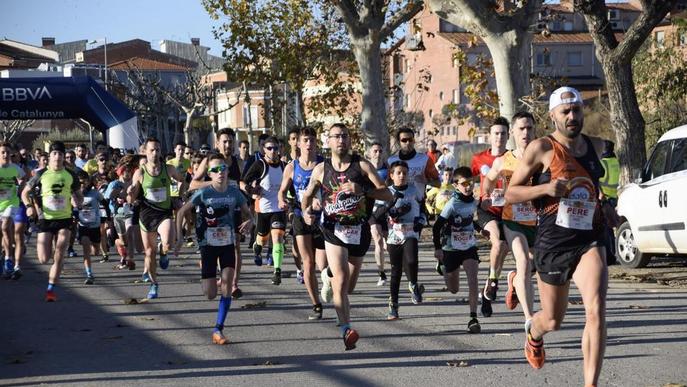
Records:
x=565, y=172
x=489, y=211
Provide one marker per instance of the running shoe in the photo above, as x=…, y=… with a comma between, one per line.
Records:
x=350, y=337
x=16, y=274
x=105, y=258
x=258, y=260
x=269, y=261
x=122, y=265
x=219, y=338
x=416, y=293
x=299, y=277
x=145, y=277
x=486, y=307
x=393, y=311
x=50, y=296
x=316, y=313
x=189, y=242
x=490, y=289
x=131, y=264
x=473, y=326
x=9, y=267
x=327, y=293
x=89, y=280
x=440, y=269
x=71, y=253
x=152, y=293
x=276, y=277
x=381, y=281
x=511, y=297
x=534, y=352
x=236, y=294
x=164, y=259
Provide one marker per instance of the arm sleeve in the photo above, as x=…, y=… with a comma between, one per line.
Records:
x=436, y=232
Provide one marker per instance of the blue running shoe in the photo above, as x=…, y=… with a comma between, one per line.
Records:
x=152, y=293
x=258, y=260
x=164, y=260
x=145, y=277
x=71, y=253
x=9, y=267
x=269, y=261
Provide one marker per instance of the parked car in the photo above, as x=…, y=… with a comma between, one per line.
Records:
x=653, y=209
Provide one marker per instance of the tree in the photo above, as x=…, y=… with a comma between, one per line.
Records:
x=11, y=130
x=506, y=28
x=616, y=61
x=368, y=24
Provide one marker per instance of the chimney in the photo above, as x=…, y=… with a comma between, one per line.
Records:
x=47, y=41
x=195, y=41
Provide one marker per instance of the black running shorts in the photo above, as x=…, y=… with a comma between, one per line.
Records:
x=557, y=267
x=271, y=220
x=453, y=259
x=209, y=255
x=54, y=225
x=484, y=217
x=93, y=234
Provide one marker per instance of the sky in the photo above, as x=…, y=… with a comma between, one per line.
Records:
x=27, y=21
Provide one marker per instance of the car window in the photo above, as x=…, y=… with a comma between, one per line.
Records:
x=678, y=159
x=657, y=164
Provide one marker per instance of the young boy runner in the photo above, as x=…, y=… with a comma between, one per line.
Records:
x=89, y=222
x=216, y=233
x=122, y=211
x=405, y=222
x=55, y=189
x=454, y=241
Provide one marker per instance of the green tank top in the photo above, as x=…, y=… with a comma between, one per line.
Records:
x=8, y=187
x=156, y=189
x=56, y=193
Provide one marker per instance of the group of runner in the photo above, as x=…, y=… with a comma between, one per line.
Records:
x=541, y=201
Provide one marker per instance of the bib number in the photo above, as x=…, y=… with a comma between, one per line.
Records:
x=497, y=198
x=575, y=214
x=462, y=240
x=403, y=230
x=348, y=234
x=524, y=212
x=219, y=236
x=55, y=203
x=157, y=195
x=87, y=216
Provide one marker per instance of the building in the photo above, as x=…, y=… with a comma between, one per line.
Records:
x=426, y=78
x=194, y=52
x=17, y=55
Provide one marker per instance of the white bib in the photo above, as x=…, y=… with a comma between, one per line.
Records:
x=157, y=195
x=497, y=198
x=462, y=240
x=54, y=203
x=348, y=234
x=219, y=236
x=524, y=212
x=403, y=230
x=575, y=214
x=87, y=216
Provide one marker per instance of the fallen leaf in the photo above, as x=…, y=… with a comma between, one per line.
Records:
x=457, y=363
x=148, y=318
x=574, y=301
x=638, y=307
x=433, y=298
x=260, y=304
x=266, y=363
x=130, y=301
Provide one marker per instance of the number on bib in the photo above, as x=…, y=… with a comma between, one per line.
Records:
x=348, y=234
x=462, y=240
x=575, y=214
x=157, y=195
x=219, y=236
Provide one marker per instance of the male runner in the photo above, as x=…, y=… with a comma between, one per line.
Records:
x=344, y=180
x=379, y=226
x=565, y=170
x=11, y=177
x=55, y=189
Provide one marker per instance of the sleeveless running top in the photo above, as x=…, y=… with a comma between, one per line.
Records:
x=55, y=189
x=270, y=184
x=340, y=207
x=575, y=219
x=383, y=171
x=9, y=175
x=523, y=213
x=156, y=190
x=301, y=180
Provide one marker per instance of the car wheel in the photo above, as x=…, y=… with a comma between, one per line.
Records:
x=626, y=249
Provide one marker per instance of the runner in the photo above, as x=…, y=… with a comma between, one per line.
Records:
x=405, y=221
x=217, y=204
x=89, y=222
x=343, y=181
x=422, y=171
x=378, y=226
x=151, y=185
x=308, y=239
x=489, y=210
x=12, y=213
x=565, y=169
x=56, y=188
x=225, y=146
x=454, y=241
x=91, y=165
x=101, y=179
x=519, y=219
x=262, y=181
x=178, y=188
x=116, y=194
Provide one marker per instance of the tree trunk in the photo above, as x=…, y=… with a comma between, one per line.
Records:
x=626, y=118
x=368, y=55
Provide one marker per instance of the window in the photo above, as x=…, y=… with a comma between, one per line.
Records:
x=678, y=159
x=406, y=101
x=454, y=130
x=613, y=14
x=660, y=37
x=441, y=96
x=543, y=58
x=455, y=63
x=445, y=26
x=406, y=65
x=656, y=166
x=456, y=96
x=431, y=113
x=567, y=26
x=575, y=58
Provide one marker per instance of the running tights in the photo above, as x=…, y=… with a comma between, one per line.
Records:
x=400, y=256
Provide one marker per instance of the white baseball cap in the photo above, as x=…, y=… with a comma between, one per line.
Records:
x=557, y=99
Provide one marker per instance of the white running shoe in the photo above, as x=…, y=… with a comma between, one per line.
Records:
x=381, y=282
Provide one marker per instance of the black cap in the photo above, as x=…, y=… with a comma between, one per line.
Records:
x=57, y=146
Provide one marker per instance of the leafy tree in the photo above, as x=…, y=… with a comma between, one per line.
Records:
x=11, y=130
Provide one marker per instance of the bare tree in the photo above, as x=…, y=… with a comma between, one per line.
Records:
x=616, y=60
x=10, y=130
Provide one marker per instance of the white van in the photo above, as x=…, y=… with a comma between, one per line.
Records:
x=653, y=209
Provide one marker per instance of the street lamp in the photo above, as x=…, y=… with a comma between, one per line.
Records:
x=105, y=49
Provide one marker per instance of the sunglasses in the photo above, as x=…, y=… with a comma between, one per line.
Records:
x=218, y=168
x=465, y=183
x=407, y=139
x=271, y=148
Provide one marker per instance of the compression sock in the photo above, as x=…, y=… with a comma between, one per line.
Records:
x=222, y=311
x=278, y=254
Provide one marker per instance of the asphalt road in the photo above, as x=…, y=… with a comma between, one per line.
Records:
x=91, y=337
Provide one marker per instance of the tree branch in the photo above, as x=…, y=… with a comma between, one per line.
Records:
x=408, y=12
x=349, y=14
x=653, y=12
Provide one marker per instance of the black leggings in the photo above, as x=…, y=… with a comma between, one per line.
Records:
x=400, y=256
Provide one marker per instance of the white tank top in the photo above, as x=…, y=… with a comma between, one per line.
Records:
x=269, y=201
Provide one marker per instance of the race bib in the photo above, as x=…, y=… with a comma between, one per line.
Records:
x=219, y=236
x=403, y=230
x=87, y=215
x=157, y=195
x=462, y=240
x=524, y=212
x=575, y=214
x=348, y=234
x=5, y=194
x=55, y=203
x=497, y=198
x=103, y=213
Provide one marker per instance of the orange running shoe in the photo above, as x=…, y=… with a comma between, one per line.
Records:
x=219, y=339
x=511, y=297
x=50, y=296
x=350, y=338
x=534, y=352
